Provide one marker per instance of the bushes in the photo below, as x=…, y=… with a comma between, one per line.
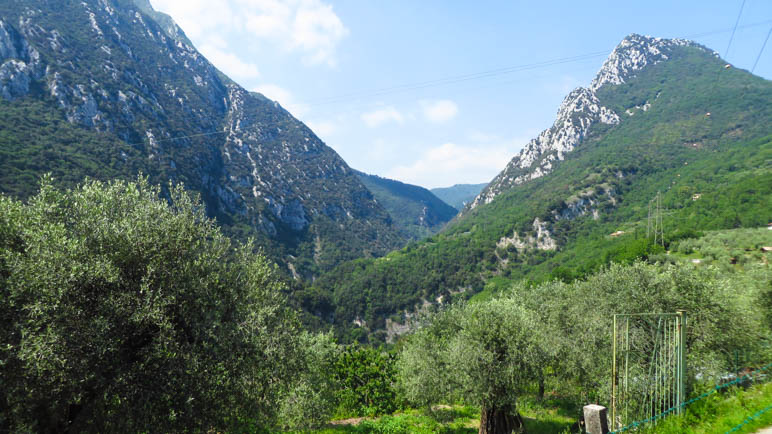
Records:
x=365, y=379
x=125, y=311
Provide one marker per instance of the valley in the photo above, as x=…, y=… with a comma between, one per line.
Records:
x=182, y=253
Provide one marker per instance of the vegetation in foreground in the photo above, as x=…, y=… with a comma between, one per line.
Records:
x=721, y=413
x=546, y=417
x=126, y=309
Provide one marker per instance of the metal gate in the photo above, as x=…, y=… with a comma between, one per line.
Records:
x=649, y=366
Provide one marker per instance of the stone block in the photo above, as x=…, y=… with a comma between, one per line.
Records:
x=596, y=419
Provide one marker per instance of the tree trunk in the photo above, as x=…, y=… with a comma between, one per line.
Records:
x=541, y=387
x=500, y=420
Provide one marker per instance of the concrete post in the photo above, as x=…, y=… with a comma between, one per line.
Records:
x=596, y=419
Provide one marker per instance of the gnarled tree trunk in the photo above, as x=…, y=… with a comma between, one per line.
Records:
x=500, y=420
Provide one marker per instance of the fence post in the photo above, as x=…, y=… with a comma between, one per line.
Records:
x=596, y=419
x=614, y=376
x=681, y=359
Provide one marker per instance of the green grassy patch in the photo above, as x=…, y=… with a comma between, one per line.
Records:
x=722, y=412
x=547, y=417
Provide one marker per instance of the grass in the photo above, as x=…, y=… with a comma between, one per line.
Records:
x=547, y=417
x=720, y=413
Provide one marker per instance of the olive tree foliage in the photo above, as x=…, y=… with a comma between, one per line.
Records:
x=310, y=401
x=123, y=309
x=486, y=354
x=723, y=315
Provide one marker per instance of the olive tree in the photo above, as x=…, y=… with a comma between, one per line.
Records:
x=723, y=315
x=125, y=309
x=486, y=353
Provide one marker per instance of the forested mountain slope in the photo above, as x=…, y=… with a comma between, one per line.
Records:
x=108, y=88
x=458, y=195
x=662, y=116
x=416, y=211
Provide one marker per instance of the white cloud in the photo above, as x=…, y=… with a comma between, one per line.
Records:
x=439, y=111
x=381, y=116
x=229, y=63
x=283, y=97
x=199, y=19
x=450, y=164
x=316, y=30
x=309, y=27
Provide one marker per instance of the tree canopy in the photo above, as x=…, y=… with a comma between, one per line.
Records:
x=483, y=353
x=125, y=309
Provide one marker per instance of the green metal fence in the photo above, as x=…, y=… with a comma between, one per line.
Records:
x=649, y=365
x=750, y=376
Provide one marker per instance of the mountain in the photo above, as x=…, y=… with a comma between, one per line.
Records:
x=415, y=210
x=458, y=195
x=111, y=88
x=665, y=116
x=581, y=113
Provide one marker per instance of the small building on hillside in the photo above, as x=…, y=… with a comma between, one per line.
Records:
x=617, y=233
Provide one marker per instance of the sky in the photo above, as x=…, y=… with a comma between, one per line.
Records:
x=442, y=92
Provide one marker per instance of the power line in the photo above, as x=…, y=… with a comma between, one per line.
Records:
x=715, y=32
x=726, y=53
x=475, y=76
x=359, y=95
x=762, y=50
x=456, y=79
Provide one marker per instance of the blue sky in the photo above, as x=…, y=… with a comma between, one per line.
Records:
x=419, y=90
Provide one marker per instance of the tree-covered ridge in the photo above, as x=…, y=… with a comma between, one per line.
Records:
x=127, y=93
x=713, y=172
x=458, y=195
x=415, y=210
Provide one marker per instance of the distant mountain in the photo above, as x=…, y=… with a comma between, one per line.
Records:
x=458, y=195
x=110, y=88
x=665, y=116
x=415, y=210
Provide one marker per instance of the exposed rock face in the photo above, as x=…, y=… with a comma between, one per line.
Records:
x=540, y=240
x=19, y=65
x=119, y=67
x=580, y=111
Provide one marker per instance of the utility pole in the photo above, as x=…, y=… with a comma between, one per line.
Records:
x=654, y=225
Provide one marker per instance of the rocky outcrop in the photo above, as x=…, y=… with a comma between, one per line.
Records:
x=540, y=239
x=19, y=64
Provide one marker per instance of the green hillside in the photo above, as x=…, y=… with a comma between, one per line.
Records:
x=458, y=195
x=604, y=186
x=108, y=89
x=415, y=210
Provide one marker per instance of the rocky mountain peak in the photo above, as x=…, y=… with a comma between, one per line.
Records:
x=634, y=53
x=580, y=111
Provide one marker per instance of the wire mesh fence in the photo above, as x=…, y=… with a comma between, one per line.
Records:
x=648, y=365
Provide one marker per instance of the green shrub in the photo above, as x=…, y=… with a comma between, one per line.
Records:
x=365, y=380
